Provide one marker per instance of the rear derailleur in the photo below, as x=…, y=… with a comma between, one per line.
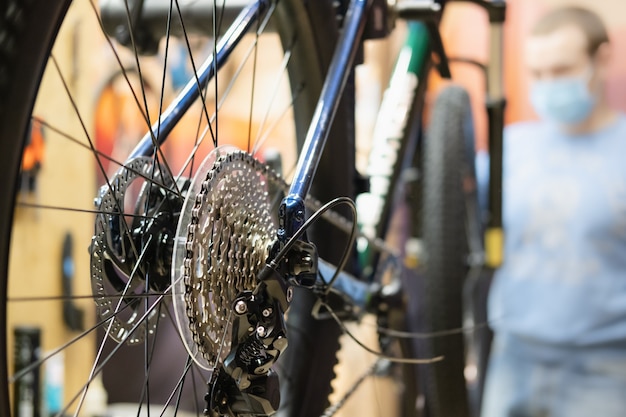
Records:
x=246, y=384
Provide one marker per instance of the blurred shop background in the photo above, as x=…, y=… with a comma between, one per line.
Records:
x=115, y=125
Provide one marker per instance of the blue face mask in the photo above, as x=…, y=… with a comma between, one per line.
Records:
x=564, y=100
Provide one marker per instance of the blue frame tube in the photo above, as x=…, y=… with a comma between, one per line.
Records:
x=161, y=129
x=292, y=207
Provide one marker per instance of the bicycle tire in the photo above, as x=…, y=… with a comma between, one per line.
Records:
x=317, y=340
x=27, y=32
x=443, y=221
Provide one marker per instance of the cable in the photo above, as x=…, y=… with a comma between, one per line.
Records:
x=399, y=334
x=348, y=250
x=374, y=352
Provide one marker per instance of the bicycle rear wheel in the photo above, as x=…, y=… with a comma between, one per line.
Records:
x=32, y=262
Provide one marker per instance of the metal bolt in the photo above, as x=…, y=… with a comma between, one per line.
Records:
x=289, y=294
x=280, y=343
x=261, y=331
x=241, y=307
x=267, y=312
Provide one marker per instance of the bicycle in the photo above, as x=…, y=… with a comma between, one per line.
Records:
x=162, y=235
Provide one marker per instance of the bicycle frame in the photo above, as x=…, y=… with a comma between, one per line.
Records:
x=292, y=207
x=393, y=140
x=292, y=216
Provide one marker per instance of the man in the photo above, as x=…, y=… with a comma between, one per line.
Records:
x=558, y=303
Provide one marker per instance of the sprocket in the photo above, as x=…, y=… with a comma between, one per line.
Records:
x=223, y=239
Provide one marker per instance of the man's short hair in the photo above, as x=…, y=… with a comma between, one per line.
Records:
x=584, y=19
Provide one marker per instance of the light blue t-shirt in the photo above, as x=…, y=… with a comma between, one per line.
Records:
x=563, y=280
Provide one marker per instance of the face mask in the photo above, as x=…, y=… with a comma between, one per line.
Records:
x=565, y=100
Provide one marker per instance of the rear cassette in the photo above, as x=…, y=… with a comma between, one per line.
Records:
x=222, y=242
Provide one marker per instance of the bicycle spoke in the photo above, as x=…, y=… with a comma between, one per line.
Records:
x=194, y=370
x=217, y=24
x=155, y=156
x=41, y=361
x=77, y=210
x=190, y=364
x=107, y=157
x=195, y=74
x=202, y=132
x=216, y=84
x=109, y=327
x=164, y=72
x=220, y=103
x=178, y=389
x=265, y=135
x=97, y=369
x=253, y=87
x=108, y=330
x=148, y=354
x=275, y=89
x=143, y=111
x=117, y=58
x=158, y=151
x=131, y=33
x=79, y=297
x=91, y=144
x=122, y=67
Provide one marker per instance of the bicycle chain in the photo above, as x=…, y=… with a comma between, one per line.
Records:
x=333, y=408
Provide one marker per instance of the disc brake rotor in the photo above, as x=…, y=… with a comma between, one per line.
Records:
x=222, y=241
x=130, y=249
